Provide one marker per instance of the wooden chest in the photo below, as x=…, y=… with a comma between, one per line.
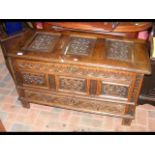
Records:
x=80, y=71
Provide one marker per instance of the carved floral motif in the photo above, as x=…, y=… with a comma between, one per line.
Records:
x=72, y=84
x=77, y=103
x=115, y=90
x=119, y=50
x=80, y=46
x=33, y=79
x=43, y=42
x=55, y=68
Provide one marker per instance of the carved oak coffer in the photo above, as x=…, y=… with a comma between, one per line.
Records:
x=79, y=71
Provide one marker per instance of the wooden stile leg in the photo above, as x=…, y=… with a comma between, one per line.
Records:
x=25, y=104
x=126, y=121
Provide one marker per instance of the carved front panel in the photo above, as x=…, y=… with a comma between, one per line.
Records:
x=80, y=46
x=43, y=42
x=72, y=84
x=76, y=103
x=33, y=79
x=119, y=50
x=115, y=90
x=83, y=71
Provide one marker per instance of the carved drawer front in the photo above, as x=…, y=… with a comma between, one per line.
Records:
x=73, y=85
x=76, y=103
x=33, y=79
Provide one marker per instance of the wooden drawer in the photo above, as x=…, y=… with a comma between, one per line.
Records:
x=75, y=103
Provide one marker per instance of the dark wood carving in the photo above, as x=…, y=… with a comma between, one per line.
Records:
x=105, y=78
x=114, y=90
x=119, y=50
x=72, y=84
x=77, y=103
x=42, y=42
x=74, y=69
x=33, y=79
x=80, y=46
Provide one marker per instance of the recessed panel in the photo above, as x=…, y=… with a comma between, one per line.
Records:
x=115, y=90
x=119, y=50
x=80, y=46
x=76, y=85
x=34, y=79
x=43, y=42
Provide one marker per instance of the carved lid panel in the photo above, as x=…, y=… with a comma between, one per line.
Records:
x=80, y=46
x=119, y=50
x=92, y=50
x=42, y=42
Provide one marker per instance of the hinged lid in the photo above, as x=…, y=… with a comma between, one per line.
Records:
x=88, y=49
